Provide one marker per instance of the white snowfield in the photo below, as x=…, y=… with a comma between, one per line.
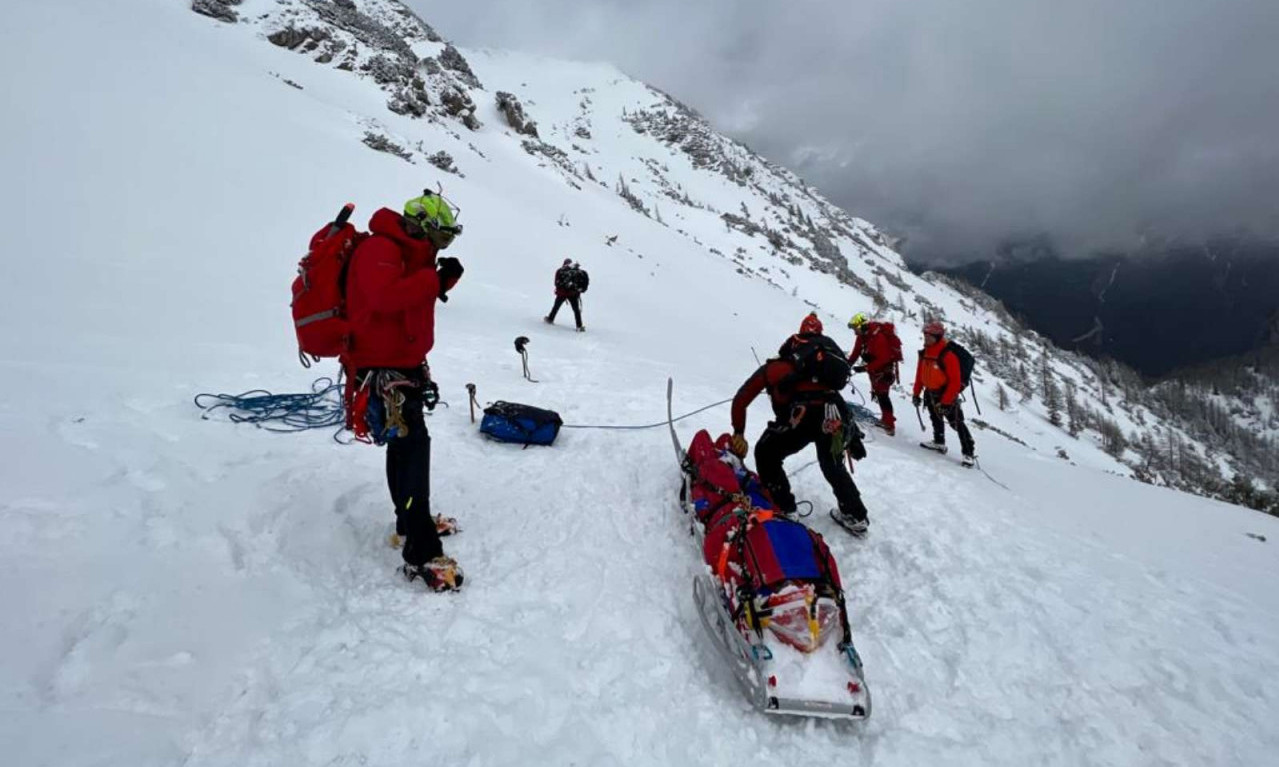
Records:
x=178, y=591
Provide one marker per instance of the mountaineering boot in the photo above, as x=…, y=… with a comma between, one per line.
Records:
x=856, y=527
x=439, y=574
x=888, y=429
x=970, y=460
x=547, y=319
x=939, y=447
x=581, y=328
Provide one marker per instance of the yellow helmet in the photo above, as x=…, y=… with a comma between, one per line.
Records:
x=430, y=210
x=857, y=321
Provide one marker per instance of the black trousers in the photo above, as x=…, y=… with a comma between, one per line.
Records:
x=941, y=415
x=786, y=438
x=573, y=301
x=408, y=477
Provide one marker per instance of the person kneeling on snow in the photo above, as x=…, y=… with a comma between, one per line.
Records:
x=938, y=377
x=571, y=281
x=393, y=281
x=804, y=383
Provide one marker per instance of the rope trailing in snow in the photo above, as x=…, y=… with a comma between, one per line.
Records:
x=992, y=479
x=647, y=425
x=320, y=408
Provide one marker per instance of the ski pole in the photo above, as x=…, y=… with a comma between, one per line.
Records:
x=470, y=390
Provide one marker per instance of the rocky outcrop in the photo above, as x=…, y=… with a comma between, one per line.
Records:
x=511, y=108
x=444, y=161
x=451, y=60
x=458, y=104
x=217, y=9
x=380, y=143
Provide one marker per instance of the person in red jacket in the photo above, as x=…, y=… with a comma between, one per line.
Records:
x=805, y=412
x=876, y=353
x=937, y=376
x=393, y=282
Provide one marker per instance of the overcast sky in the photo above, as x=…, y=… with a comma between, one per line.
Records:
x=960, y=122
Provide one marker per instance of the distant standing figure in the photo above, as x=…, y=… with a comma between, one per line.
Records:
x=938, y=377
x=571, y=281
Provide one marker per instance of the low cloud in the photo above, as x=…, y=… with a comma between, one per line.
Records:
x=962, y=124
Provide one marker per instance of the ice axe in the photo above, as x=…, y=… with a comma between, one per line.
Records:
x=520, y=343
x=470, y=391
x=343, y=216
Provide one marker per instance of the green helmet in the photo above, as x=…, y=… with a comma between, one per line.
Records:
x=857, y=321
x=430, y=210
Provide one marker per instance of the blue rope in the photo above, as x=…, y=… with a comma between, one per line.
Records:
x=321, y=408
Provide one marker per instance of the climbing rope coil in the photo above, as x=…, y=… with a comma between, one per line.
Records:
x=285, y=413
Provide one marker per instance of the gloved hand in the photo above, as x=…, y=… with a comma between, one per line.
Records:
x=450, y=271
x=859, y=368
x=857, y=448
x=739, y=446
x=916, y=401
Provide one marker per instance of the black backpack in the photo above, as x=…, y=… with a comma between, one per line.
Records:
x=966, y=362
x=564, y=278
x=581, y=280
x=818, y=359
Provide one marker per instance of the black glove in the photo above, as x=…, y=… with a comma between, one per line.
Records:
x=450, y=271
x=916, y=401
x=859, y=368
x=857, y=448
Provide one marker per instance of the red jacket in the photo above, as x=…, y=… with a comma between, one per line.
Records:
x=938, y=375
x=873, y=348
x=772, y=375
x=391, y=288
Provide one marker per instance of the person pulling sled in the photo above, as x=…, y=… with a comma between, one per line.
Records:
x=393, y=280
x=942, y=373
x=804, y=383
x=571, y=281
x=877, y=353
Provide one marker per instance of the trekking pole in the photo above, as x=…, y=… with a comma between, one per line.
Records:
x=976, y=404
x=470, y=390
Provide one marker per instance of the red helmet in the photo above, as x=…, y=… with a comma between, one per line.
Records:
x=934, y=328
x=811, y=324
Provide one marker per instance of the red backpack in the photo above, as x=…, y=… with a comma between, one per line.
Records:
x=890, y=338
x=319, y=291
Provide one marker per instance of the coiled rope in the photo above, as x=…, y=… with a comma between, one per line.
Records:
x=284, y=413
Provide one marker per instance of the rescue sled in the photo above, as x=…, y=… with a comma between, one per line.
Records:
x=770, y=597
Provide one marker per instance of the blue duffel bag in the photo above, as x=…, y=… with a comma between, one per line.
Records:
x=523, y=424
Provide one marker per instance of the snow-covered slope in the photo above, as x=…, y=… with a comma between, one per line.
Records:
x=180, y=591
